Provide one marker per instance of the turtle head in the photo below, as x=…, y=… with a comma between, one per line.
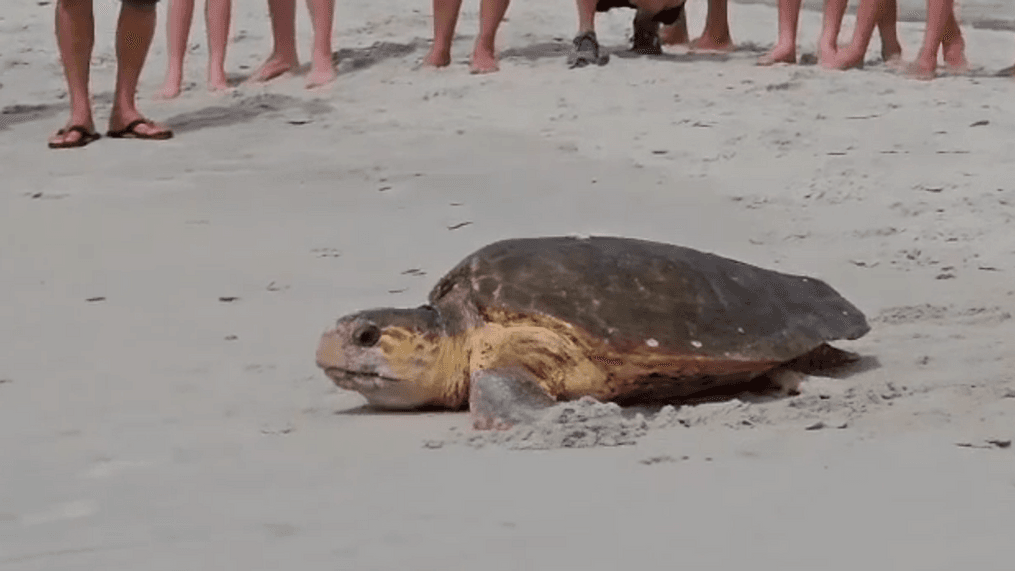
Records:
x=390, y=356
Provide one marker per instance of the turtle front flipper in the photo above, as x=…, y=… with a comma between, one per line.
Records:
x=502, y=398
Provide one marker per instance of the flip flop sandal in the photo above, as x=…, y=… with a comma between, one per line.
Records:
x=130, y=132
x=85, y=138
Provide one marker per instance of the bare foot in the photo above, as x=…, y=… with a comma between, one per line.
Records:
x=217, y=82
x=843, y=59
x=273, y=67
x=891, y=53
x=707, y=43
x=954, y=53
x=171, y=86
x=675, y=35
x=483, y=61
x=778, y=54
x=321, y=77
x=437, y=58
x=920, y=70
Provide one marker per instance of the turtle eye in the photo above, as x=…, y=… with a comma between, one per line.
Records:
x=367, y=336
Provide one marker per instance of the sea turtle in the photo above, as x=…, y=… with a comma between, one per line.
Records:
x=522, y=323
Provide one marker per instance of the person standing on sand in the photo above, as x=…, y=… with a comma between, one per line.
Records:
x=181, y=14
x=283, y=56
x=942, y=31
x=880, y=13
x=445, y=18
x=75, y=36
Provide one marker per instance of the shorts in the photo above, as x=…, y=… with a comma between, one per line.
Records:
x=143, y=4
x=667, y=16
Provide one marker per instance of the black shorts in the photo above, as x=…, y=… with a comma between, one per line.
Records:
x=146, y=4
x=667, y=16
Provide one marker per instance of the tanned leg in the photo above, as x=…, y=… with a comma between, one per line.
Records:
x=217, y=15
x=445, y=18
x=675, y=34
x=868, y=14
x=75, y=36
x=828, y=44
x=953, y=47
x=322, y=16
x=484, y=56
x=785, y=47
x=181, y=13
x=716, y=35
x=891, y=47
x=939, y=12
x=134, y=32
x=283, y=56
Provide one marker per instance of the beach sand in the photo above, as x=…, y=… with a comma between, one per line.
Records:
x=159, y=403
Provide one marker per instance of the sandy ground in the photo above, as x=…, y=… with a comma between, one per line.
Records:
x=159, y=404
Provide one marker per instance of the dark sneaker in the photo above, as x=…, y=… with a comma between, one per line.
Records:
x=586, y=52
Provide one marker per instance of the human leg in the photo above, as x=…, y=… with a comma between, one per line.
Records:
x=322, y=17
x=784, y=50
x=217, y=14
x=716, y=35
x=953, y=47
x=831, y=24
x=445, y=18
x=891, y=47
x=181, y=13
x=135, y=29
x=868, y=14
x=484, y=56
x=283, y=56
x=676, y=33
x=925, y=65
x=75, y=36
x=585, y=49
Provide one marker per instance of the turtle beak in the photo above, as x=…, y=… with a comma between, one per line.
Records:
x=329, y=351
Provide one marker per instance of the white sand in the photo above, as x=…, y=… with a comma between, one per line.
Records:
x=136, y=435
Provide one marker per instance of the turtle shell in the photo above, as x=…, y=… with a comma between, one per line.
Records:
x=630, y=294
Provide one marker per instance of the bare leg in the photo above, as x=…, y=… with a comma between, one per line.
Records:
x=953, y=47
x=891, y=47
x=134, y=32
x=75, y=36
x=322, y=16
x=484, y=56
x=445, y=18
x=938, y=12
x=283, y=54
x=675, y=34
x=868, y=14
x=785, y=48
x=716, y=35
x=181, y=13
x=830, y=26
x=586, y=16
x=217, y=14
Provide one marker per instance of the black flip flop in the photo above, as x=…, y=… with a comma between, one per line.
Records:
x=130, y=132
x=86, y=137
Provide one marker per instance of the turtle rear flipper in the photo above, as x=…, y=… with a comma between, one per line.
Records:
x=502, y=398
